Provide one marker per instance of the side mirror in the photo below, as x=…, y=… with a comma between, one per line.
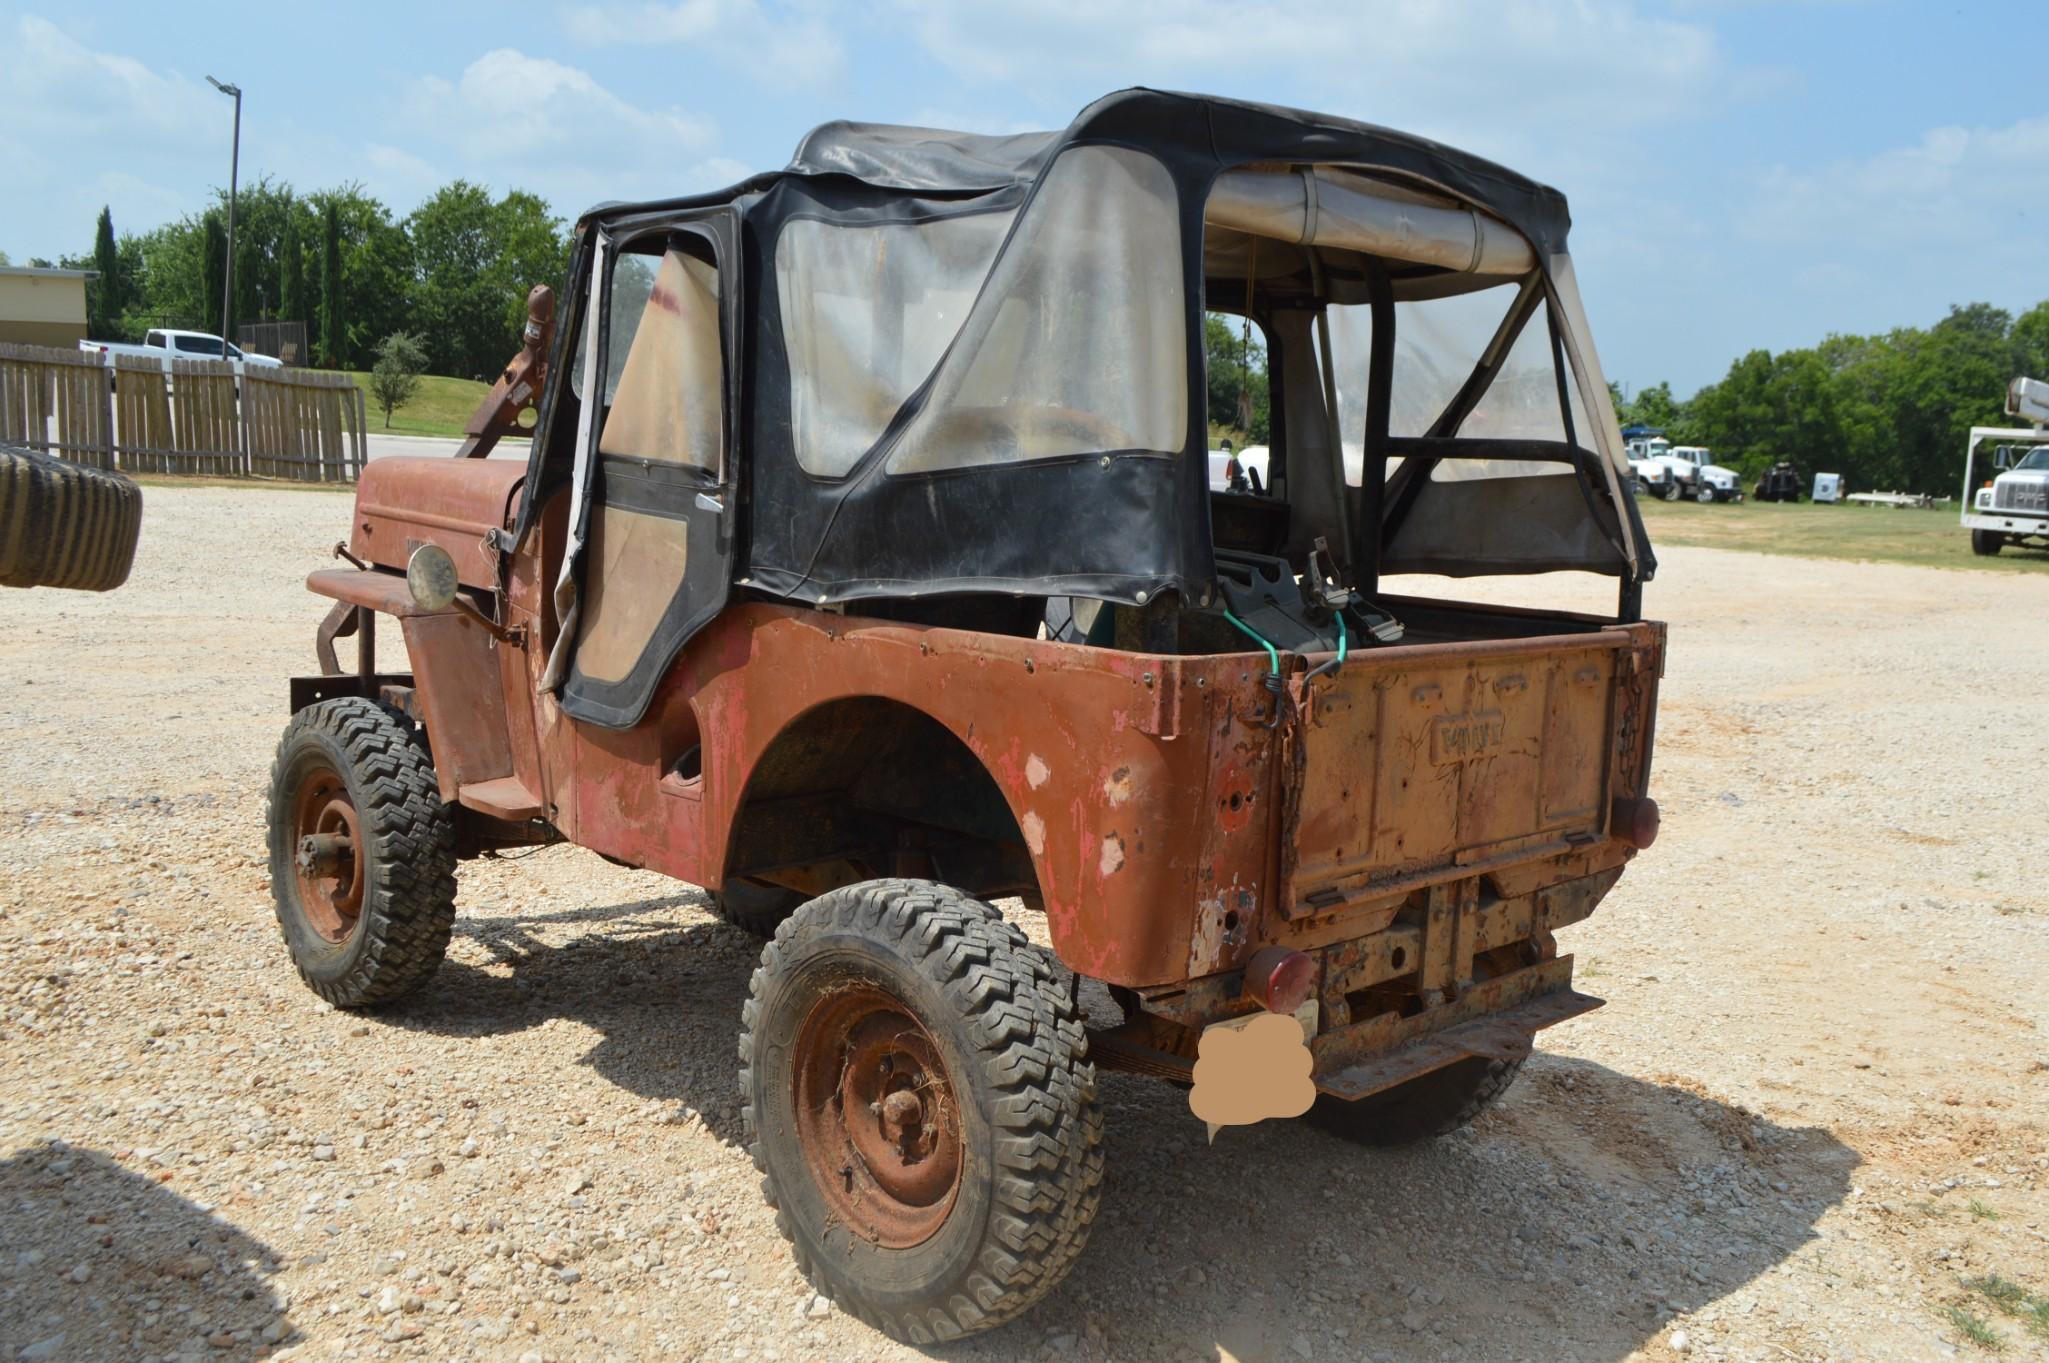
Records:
x=430, y=578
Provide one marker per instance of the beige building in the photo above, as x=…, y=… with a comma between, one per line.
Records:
x=43, y=307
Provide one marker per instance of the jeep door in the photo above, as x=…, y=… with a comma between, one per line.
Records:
x=652, y=524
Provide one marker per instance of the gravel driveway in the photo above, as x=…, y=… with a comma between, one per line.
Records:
x=1815, y=1110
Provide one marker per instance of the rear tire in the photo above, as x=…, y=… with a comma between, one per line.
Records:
x=919, y=1101
x=1434, y=1104
x=65, y=525
x=1986, y=543
x=370, y=922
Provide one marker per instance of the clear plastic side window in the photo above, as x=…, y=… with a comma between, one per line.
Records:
x=665, y=375
x=866, y=312
x=1079, y=344
x=1438, y=344
x=1520, y=404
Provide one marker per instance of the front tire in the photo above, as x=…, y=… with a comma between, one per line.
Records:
x=1671, y=491
x=362, y=853
x=1434, y=1104
x=1986, y=543
x=919, y=1101
x=1703, y=494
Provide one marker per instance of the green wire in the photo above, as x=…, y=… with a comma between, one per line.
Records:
x=1341, y=638
x=1273, y=655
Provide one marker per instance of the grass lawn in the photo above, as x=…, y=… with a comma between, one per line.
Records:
x=441, y=407
x=1876, y=534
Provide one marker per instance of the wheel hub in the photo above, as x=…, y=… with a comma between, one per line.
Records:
x=876, y=1117
x=328, y=855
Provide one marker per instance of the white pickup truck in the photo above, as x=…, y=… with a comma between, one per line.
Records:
x=166, y=344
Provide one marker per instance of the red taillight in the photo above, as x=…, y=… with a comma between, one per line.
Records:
x=1634, y=821
x=1279, y=979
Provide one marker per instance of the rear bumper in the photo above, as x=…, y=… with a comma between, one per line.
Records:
x=1498, y=1019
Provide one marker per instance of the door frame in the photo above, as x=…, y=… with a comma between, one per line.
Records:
x=704, y=500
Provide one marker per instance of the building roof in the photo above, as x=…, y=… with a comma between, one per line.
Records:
x=41, y=272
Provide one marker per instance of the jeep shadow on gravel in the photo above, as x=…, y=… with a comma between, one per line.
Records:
x=865, y=569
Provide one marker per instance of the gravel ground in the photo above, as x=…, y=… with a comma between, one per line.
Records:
x=1815, y=1109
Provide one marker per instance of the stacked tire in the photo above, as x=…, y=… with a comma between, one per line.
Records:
x=63, y=524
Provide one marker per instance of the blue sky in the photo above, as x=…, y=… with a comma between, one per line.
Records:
x=1741, y=173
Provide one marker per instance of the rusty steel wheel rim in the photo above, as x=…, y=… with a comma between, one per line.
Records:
x=877, y=1120
x=327, y=854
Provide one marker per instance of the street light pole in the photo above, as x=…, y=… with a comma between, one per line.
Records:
x=234, y=170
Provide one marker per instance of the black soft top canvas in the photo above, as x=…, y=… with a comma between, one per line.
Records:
x=1197, y=136
x=1115, y=525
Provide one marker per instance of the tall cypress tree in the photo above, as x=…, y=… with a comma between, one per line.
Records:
x=213, y=269
x=293, y=305
x=108, y=296
x=331, y=331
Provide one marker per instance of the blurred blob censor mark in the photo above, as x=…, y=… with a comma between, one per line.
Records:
x=1251, y=1068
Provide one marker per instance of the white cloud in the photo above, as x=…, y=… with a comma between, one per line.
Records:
x=54, y=80
x=1952, y=189
x=784, y=50
x=716, y=172
x=160, y=139
x=89, y=127
x=1473, y=65
x=506, y=103
x=510, y=118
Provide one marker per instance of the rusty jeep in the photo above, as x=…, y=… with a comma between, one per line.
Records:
x=865, y=569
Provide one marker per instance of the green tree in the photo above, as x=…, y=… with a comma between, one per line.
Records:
x=401, y=359
x=212, y=272
x=1236, y=377
x=294, y=303
x=1889, y=411
x=375, y=274
x=1655, y=406
x=332, y=330
x=107, y=296
x=171, y=289
x=474, y=260
x=2031, y=341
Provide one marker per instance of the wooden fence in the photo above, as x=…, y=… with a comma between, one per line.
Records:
x=57, y=400
x=195, y=417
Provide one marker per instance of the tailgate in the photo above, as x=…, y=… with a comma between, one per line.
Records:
x=1413, y=763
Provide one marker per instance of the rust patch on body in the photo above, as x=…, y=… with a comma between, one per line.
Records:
x=1117, y=786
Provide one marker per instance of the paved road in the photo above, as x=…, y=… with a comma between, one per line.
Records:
x=383, y=445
